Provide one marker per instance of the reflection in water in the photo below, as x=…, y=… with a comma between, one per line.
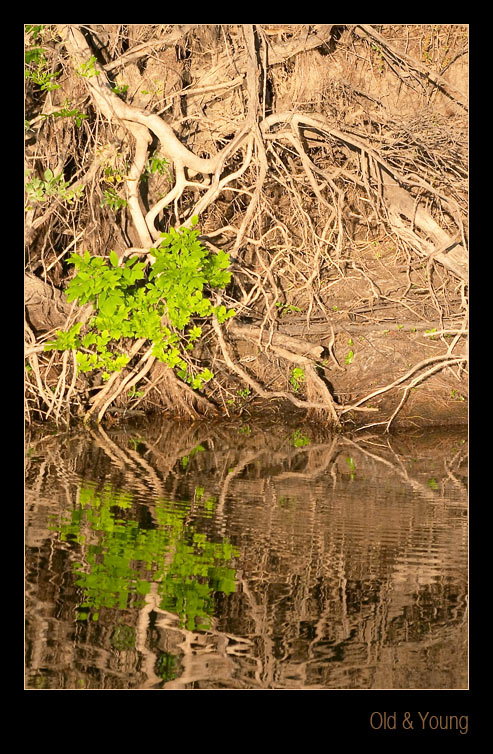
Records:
x=241, y=557
x=127, y=557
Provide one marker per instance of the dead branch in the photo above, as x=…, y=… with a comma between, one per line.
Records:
x=407, y=64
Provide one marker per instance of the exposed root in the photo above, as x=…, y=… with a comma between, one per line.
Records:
x=279, y=141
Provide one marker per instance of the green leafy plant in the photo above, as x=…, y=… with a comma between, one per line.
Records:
x=41, y=189
x=297, y=378
x=113, y=200
x=120, y=89
x=154, y=165
x=38, y=69
x=158, y=307
x=66, y=112
x=88, y=69
x=134, y=393
x=113, y=175
x=158, y=89
x=35, y=31
x=286, y=308
x=455, y=395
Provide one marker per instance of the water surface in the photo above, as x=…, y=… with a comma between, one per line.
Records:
x=234, y=556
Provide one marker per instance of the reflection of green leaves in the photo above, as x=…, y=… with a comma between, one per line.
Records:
x=167, y=666
x=123, y=637
x=299, y=440
x=432, y=484
x=287, y=502
x=186, y=459
x=120, y=563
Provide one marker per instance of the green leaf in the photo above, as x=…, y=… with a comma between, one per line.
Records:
x=114, y=258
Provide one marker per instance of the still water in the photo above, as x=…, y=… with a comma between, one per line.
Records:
x=235, y=556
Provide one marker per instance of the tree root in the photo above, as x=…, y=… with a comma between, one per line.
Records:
x=277, y=180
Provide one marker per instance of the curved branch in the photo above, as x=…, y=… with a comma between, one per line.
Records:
x=406, y=61
x=114, y=108
x=327, y=404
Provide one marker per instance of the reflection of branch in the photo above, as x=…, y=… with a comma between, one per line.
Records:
x=417, y=486
x=231, y=475
x=318, y=469
x=127, y=460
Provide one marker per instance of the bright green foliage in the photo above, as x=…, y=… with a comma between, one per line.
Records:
x=66, y=112
x=155, y=164
x=297, y=378
x=120, y=90
x=121, y=558
x=88, y=69
x=130, y=305
x=38, y=70
x=35, y=31
x=38, y=190
x=113, y=200
x=286, y=308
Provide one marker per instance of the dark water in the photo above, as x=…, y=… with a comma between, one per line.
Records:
x=241, y=557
